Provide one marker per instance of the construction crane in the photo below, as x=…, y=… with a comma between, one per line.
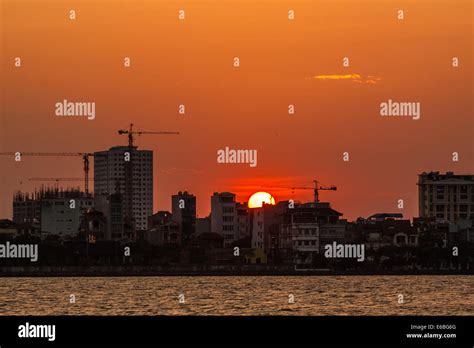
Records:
x=129, y=164
x=316, y=188
x=83, y=155
x=56, y=180
x=130, y=132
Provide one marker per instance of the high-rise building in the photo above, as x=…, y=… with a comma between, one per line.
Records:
x=183, y=208
x=446, y=197
x=110, y=169
x=224, y=216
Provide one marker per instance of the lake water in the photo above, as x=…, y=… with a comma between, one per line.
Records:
x=313, y=295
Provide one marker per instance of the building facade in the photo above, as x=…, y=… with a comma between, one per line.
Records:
x=224, y=216
x=183, y=209
x=243, y=221
x=300, y=242
x=305, y=231
x=112, y=208
x=446, y=197
x=61, y=215
x=163, y=230
x=27, y=208
x=265, y=221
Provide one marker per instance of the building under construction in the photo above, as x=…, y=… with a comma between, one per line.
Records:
x=55, y=210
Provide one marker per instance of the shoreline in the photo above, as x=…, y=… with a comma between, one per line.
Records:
x=151, y=271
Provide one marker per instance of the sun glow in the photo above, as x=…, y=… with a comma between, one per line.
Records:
x=258, y=198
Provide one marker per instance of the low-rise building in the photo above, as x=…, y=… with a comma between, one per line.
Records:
x=183, y=209
x=385, y=229
x=301, y=238
x=446, y=197
x=63, y=210
x=8, y=229
x=163, y=231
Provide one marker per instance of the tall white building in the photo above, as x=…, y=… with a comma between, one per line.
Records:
x=224, y=216
x=109, y=175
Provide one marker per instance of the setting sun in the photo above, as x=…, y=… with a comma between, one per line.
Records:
x=258, y=198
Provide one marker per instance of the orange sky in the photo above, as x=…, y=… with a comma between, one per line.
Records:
x=190, y=62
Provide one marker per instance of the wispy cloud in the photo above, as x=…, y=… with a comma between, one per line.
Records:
x=350, y=77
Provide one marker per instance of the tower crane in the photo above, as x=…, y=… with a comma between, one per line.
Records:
x=316, y=188
x=130, y=132
x=129, y=164
x=84, y=155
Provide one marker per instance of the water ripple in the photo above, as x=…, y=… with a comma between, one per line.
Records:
x=313, y=295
